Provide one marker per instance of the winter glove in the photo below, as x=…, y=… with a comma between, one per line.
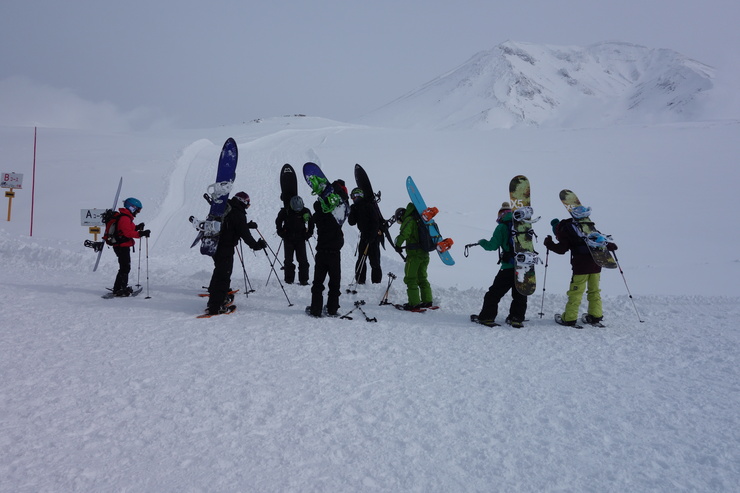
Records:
x=145, y=233
x=549, y=244
x=252, y=225
x=611, y=246
x=140, y=227
x=261, y=244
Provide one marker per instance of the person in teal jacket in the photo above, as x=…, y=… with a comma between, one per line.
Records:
x=504, y=280
x=418, y=289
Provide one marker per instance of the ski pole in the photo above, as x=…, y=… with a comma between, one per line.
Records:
x=391, y=277
x=247, y=285
x=138, y=269
x=544, y=282
x=358, y=306
x=147, y=268
x=628, y=288
x=358, y=270
x=271, y=250
x=313, y=256
x=267, y=256
x=466, y=252
x=273, y=262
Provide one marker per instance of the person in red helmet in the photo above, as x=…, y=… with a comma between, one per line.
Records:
x=234, y=227
x=125, y=234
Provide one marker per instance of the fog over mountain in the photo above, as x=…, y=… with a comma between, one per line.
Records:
x=524, y=84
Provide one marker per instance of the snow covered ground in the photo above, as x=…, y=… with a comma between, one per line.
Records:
x=139, y=395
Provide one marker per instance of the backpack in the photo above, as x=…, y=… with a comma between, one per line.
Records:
x=426, y=242
x=508, y=257
x=570, y=230
x=111, y=235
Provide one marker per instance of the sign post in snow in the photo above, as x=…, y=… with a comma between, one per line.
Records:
x=93, y=218
x=11, y=181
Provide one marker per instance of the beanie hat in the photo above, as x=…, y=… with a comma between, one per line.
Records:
x=505, y=207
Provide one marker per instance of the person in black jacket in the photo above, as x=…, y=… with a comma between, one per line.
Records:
x=586, y=273
x=294, y=225
x=362, y=213
x=328, y=261
x=233, y=228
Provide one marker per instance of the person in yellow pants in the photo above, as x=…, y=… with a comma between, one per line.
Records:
x=586, y=273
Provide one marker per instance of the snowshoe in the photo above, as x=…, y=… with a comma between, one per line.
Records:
x=567, y=323
x=224, y=310
x=487, y=322
x=591, y=320
x=124, y=292
x=327, y=314
x=308, y=312
x=411, y=308
x=517, y=324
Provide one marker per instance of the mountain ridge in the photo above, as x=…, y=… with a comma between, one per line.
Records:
x=519, y=84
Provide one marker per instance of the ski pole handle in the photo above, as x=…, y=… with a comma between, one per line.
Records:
x=467, y=248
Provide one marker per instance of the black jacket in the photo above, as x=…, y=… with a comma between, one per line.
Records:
x=234, y=226
x=294, y=226
x=362, y=213
x=329, y=233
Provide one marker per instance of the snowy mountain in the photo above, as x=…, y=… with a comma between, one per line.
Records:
x=524, y=84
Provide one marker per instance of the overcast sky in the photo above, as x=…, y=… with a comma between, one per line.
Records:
x=216, y=62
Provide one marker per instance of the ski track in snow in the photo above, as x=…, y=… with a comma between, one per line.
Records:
x=139, y=395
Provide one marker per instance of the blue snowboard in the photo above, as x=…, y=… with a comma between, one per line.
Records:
x=421, y=206
x=331, y=202
x=218, y=196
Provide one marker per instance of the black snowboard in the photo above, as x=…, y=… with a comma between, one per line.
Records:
x=288, y=184
x=363, y=182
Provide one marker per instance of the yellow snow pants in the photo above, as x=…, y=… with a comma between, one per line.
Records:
x=579, y=284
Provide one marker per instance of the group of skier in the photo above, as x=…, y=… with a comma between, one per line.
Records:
x=295, y=224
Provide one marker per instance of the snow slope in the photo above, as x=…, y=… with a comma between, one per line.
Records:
x=138, y=395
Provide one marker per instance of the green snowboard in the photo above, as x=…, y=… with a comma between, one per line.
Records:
x=601, y=255
x=523, y=235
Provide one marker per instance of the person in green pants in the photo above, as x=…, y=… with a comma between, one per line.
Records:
x=418, y=289
x=586, y=273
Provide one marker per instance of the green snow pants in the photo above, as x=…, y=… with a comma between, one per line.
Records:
x=579, y=284
x=418, y=288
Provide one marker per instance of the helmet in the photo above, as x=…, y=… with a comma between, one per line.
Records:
x=357, y=193
x=243, y=197
x=398, y=216
x=132, y=204
x=296, y=203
